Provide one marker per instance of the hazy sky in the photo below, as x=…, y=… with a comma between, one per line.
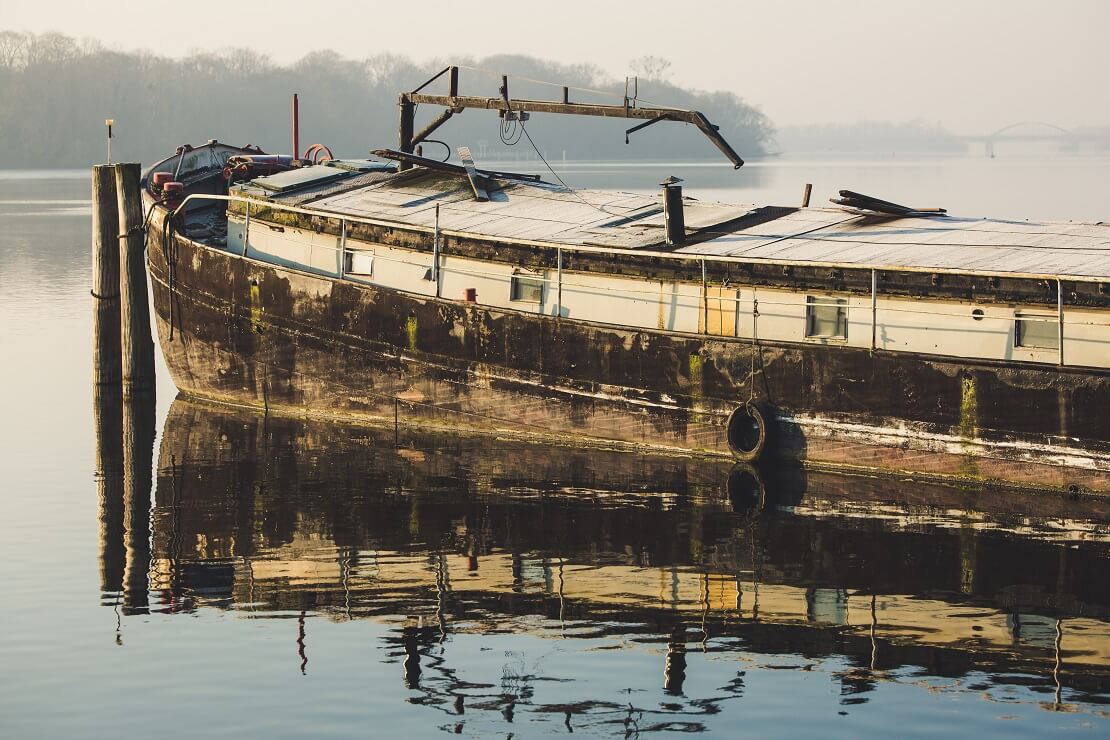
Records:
x=975, y=65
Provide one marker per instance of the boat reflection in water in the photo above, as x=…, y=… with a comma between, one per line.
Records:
x=438, y=537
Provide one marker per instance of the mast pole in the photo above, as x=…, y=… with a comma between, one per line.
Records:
x=408, y=112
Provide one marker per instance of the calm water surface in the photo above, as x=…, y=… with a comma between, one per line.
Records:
x=243, y=576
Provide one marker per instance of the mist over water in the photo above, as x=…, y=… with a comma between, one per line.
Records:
x=287, y=578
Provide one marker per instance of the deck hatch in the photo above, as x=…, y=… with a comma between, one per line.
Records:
x=284, y=182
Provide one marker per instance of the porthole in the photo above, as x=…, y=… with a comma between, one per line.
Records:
x=977, y=314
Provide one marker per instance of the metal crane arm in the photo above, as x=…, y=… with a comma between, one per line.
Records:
x=455, y=104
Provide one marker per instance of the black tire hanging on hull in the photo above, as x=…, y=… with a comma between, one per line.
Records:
x=749, y=430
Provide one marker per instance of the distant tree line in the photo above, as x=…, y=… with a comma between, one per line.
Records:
x=56, y=92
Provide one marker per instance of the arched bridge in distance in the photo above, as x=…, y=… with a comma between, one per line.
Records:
x=1036, y=131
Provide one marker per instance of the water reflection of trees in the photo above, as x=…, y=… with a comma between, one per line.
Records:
x=456, y=536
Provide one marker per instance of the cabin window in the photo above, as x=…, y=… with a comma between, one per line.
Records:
x=526, y=288
x=358, y=263
x=826, y=318
x=1039, y=331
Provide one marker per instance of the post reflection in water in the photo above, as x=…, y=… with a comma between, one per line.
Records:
x=108, y=426
x=138, y=454
x=695, y=563
x=125, y=431
x=674, y=674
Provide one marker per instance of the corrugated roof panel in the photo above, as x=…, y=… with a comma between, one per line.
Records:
x=700, y=216
x=458, y=220
x=928, y=243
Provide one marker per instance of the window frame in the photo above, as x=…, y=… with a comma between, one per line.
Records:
x=841, y=306
x=520, y=278
x=1023, y=318
x=349, y=262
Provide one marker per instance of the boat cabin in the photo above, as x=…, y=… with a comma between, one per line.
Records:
x=929, y=283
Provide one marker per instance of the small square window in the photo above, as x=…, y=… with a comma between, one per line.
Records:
x=1040, y=331
x=526, y=288
x=358, y=263
x=826, y=318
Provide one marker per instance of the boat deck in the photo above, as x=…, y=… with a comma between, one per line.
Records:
x=526, y=210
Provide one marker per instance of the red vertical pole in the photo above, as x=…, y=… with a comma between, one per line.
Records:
x=296, y=128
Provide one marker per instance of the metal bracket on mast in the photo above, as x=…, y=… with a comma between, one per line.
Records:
x=644, y=125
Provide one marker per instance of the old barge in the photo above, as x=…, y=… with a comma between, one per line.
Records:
x=866, y=336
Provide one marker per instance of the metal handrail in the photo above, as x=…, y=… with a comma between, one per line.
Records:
x=724, y=299
x=703, y=298
x=680, y=256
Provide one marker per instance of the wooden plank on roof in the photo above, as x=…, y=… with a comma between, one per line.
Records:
x=472, y=174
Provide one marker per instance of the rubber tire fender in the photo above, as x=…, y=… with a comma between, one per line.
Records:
x=739, y=426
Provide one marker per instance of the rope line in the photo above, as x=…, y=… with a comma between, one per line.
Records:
x=548, y=83
x=103, y=297
x=755, y=348
x=562, y=182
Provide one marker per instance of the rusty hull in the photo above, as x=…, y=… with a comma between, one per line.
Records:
x=250, y=333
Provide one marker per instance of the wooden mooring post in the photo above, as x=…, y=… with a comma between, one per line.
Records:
x=136, y=343
x=105, y=277
x=123, y=375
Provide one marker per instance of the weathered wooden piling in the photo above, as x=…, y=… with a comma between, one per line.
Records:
x=105, y=277
x=136, y=343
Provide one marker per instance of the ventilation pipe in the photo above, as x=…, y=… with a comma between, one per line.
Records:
x=296, y=129
x=672, y=211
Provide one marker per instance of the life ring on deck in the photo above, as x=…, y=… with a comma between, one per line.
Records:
x=318, y=153
x=747, y=431
x=745, y=489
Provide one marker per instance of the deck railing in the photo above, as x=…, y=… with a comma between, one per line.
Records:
x=1058, y=318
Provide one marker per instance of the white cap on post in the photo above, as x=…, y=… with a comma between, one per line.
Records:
x=108, y=122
